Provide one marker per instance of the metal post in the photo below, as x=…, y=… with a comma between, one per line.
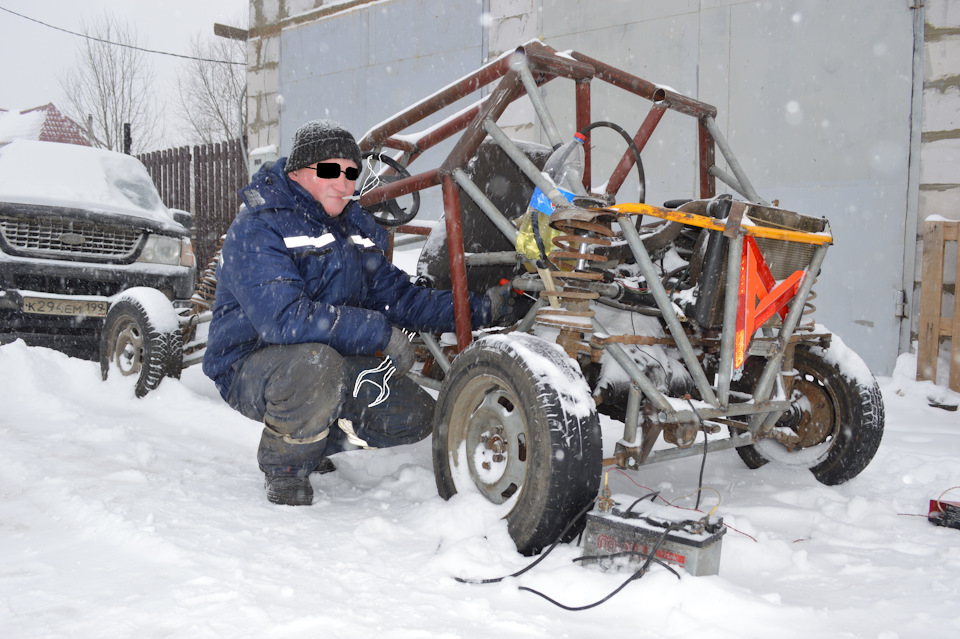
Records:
x=772, y=369
x=582, y=99
x=746, y=189
x=499, y=219
x=627, y=161
x=724, y=177
x=533, y=92
x=670, y=454
x=734, y=255
x=632, y=418
x=649, y=272
x=431, y=343
x=523, y=162
x=528, y=320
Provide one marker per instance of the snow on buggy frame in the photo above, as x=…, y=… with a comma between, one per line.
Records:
x=517, y=416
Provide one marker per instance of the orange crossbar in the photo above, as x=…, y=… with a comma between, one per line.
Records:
x=713, y=224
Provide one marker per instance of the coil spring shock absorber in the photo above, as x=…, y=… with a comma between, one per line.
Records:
x=581, y=231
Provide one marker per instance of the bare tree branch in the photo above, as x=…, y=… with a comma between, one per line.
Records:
x=114, y=85
x=213, y=96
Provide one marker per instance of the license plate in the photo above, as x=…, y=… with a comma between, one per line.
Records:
x=51, y=306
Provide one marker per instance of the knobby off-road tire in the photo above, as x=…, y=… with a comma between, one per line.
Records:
x=837, y=412
x=516, y=423
x=141, y=340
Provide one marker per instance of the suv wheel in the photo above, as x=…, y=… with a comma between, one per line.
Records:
x=141, y=340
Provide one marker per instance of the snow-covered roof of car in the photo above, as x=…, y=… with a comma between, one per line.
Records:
x=50, y=173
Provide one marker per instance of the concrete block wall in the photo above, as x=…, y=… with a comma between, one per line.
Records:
x=509, y=24
x=940, y=141
x=940, y=138
x=267, y=19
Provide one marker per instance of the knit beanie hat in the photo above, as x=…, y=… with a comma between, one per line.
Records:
x=320, y=140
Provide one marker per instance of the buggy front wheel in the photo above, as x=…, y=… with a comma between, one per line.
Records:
x=515, y=422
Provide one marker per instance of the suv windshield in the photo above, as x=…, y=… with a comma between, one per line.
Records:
x=78, y=176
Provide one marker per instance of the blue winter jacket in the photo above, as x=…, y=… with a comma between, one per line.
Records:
x=291, y=274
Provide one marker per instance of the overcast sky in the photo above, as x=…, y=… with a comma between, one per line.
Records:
x=35, y=56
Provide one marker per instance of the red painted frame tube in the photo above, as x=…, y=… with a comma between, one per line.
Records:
x=707, y=152
x=482, y=77
x=582, y=96
x=458, y=262
x=415, y=230
x=627, y=162
x=647, y=89
x=545, y=60
x=405, y=186
x=466, y=147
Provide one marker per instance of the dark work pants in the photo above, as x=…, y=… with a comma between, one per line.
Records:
x=300, y=391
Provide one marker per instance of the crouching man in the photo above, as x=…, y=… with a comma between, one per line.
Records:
x=306, y=301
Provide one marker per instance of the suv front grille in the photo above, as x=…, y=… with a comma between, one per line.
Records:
x=58, y=238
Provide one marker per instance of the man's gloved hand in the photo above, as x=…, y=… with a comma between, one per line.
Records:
x=400, y=351
x=506, y=306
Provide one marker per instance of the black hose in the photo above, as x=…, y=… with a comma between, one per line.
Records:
x=633, y=147
x=566, y=529
x=650, y=558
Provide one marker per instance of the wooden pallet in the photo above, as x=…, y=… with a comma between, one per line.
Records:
x=933, y=324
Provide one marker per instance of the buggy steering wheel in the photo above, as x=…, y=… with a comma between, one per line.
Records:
x=380, y=169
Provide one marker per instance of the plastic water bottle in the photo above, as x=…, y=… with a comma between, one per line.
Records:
x=565, y=168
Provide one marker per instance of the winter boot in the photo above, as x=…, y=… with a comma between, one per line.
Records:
x=288, y=490
x=325, y=466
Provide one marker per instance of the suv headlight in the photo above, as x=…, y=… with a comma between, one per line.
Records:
x=160, y=249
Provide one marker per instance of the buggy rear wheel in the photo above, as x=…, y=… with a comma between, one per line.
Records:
x=837, y=414
x=515, y=422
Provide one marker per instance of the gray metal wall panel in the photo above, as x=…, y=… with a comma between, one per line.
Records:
x=819, y=115
x=363, y=65
x=814, y=98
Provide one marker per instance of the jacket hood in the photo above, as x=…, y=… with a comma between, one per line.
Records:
x=270, y=188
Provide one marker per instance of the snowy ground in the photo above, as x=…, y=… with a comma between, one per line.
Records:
x=145, y=518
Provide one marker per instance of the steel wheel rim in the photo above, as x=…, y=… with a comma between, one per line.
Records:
x=814, y=418
x=488, y=428
x=128, y=348
x=817, y=420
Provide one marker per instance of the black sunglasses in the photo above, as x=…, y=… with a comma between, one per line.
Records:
x=332, y=170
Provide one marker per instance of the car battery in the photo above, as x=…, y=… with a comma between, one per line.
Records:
x=622, y=538
x=944, y=513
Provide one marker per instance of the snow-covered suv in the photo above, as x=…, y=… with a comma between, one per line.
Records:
x=84, y=232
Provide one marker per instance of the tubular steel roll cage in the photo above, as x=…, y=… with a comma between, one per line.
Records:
x=520, y=73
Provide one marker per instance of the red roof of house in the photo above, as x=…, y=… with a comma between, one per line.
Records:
x=44, y=123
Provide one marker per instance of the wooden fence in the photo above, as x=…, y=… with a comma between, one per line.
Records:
x=203, y=180
x=933, y=324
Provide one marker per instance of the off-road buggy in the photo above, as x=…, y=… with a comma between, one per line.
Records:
x=687, y=322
